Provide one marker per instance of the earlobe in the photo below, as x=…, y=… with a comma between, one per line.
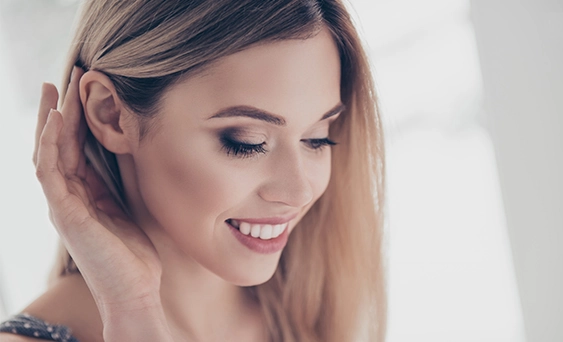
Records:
x=105, y=114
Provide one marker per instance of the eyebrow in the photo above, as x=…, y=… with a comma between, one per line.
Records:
x=258, y=114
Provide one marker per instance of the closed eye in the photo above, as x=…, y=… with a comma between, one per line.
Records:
x=239, y=149
x=318, y=144
x=244, y=150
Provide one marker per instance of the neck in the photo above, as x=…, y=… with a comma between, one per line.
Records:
x=199, y=304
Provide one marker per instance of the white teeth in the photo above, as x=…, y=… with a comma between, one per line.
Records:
x=278, y=228
x=245, y=228
x=264, y=232
x=255, y=231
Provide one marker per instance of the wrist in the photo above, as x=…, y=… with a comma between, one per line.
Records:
x=111, y=308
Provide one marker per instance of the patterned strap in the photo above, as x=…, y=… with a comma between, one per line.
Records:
x=27, y=325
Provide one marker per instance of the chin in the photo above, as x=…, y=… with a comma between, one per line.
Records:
x=252, y=277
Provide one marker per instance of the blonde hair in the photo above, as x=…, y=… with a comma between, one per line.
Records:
x=330, y=281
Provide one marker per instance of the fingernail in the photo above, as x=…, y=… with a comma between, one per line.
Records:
x=72, y=73
x=50, y=112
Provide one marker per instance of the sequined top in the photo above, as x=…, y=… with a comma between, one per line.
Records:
x=27, y=325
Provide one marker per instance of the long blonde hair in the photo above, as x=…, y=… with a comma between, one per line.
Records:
x=330, y=281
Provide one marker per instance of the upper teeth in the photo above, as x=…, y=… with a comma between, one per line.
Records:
x=262, y=231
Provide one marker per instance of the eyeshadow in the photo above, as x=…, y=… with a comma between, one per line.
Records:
x=240, y=135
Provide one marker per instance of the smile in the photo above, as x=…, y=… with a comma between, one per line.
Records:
x=259, y=244
x=259, y=231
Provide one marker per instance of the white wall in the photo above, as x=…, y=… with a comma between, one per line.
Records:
x=521, y=52
x=34, y=36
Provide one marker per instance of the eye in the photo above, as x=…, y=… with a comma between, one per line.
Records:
x=239, y=149
x=319, y=144
x=235, y=148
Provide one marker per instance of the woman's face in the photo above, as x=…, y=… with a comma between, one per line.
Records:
x=242, y=144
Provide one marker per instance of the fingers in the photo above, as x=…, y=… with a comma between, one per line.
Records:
x=68, y=199
x=74, y=133
x=47, y=171
x=72, y=137
x=68, y=210
x=49, y=98
x=72, y=104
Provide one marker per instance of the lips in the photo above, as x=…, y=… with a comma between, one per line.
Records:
x=261, y=231
x=263, y=228
x=267, y=220
x=258, y=245
x=262, y=235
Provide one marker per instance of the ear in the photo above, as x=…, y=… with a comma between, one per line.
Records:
x=106, y=116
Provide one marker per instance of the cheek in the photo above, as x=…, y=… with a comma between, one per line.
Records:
x=319, y=176
x=185, y=190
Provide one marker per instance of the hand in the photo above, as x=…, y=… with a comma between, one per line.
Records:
x=117, y=260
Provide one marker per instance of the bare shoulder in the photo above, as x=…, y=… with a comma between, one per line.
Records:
x=6, y=337
x=69, y=303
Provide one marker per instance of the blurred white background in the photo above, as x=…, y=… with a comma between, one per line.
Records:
x=471, y=94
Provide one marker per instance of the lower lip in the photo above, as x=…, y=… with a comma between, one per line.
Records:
x=261, y=246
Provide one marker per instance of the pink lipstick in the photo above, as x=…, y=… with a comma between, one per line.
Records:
x=259, y=245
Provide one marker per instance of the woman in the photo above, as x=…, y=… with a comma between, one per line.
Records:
x=215, y=173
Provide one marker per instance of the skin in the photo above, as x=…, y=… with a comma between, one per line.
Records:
x=175, y=257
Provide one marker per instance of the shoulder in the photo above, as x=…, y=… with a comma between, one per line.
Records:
x=68, y=303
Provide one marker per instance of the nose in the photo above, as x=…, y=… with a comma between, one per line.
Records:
x=288, y=182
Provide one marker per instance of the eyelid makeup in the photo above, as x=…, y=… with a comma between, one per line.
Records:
x=235, y=148
x=238, y=149
x=237, y=131
x=241, y=142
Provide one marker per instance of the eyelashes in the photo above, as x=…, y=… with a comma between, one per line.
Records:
x=239, y=149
